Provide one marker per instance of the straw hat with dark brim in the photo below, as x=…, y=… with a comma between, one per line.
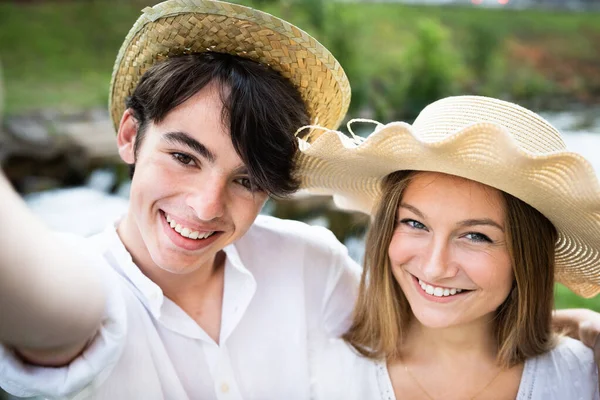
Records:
x=486, y=140
x=177, y=27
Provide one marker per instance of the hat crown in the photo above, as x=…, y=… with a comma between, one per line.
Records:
x=176, y=27
x=447, y=116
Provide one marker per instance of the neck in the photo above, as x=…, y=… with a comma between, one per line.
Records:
x=471, y=341
x=175, y=286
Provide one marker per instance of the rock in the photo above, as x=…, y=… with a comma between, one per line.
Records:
x=52, y=146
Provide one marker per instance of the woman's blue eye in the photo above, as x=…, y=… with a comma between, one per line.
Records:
x=182, y=158
x=478, y=237
x=413, y=224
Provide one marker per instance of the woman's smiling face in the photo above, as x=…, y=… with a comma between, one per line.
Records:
x=449, y=250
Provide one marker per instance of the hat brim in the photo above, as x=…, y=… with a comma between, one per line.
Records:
x=177, y=27
x=562, y=185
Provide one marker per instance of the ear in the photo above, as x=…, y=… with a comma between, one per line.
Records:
x=126, y=137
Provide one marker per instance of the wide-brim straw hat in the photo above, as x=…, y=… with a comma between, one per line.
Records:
x=494, y=142
x=177, y=27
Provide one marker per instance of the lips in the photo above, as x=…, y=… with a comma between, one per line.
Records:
x=438, y=291
x=436, y=294
x=186, y=232
x=206, y=236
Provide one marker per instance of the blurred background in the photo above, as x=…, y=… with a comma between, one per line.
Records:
x=57, y=145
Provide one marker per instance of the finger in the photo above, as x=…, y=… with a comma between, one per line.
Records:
x=589, y=334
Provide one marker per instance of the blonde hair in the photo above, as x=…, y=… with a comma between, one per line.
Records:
x=523, y=320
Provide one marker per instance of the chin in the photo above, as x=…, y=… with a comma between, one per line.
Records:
x=179, y=270
x=175, y=263
x=434, y=320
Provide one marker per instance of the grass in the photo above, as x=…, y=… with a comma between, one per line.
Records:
x=61, y=54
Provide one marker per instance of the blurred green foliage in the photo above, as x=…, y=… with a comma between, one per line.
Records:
x=61, y=55
x=564, y=298
x=398, y=57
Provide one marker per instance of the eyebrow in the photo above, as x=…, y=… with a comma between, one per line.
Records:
x=413, y=209
x=186, y=140
x=463, y=224
x=483, y=221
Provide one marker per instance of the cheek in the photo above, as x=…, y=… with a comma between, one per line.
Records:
x=245, y=209
x=491, y=272
x=402, y=248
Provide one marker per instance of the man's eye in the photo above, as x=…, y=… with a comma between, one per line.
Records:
x=413, y=224
x=245, y=182
x=248, y=185
x=182, y=158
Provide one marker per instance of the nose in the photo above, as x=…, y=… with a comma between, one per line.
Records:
x=437, y=263
x=208, y=199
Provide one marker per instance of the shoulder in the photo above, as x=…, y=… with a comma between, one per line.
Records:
x=567, y=371
x=271, y=231
x=93, y=249
x=570, y=354
x=338, y=371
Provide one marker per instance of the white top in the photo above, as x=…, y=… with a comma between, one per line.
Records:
x=285, y=283
x=566, y=372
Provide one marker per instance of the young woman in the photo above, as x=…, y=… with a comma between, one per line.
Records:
x=477, y=208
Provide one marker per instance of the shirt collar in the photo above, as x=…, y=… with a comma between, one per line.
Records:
x=149, y=291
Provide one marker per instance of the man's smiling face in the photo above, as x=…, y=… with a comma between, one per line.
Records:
x=191, y=194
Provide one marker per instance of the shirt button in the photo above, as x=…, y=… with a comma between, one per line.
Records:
x=224, y=388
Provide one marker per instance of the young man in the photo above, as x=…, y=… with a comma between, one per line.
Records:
x=191, y=295
x=204, y=298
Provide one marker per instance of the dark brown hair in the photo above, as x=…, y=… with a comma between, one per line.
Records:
x=262, y=109
x=523, y=320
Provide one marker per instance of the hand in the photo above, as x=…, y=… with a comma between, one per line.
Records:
x=581, y=324
x=578, y=323
x=589, y=334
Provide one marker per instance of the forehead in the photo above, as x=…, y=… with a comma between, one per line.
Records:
x=202, y=110
x=453, y=195
x=200, y=121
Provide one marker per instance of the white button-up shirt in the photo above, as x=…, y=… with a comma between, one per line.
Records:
x=287, y=285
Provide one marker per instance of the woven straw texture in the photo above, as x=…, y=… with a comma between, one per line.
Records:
x=193, y=26
x=486, y=140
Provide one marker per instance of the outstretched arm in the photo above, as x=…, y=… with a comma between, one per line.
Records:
x=50, y=303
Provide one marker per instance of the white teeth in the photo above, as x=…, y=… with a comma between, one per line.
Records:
x=438, y=291
x=187, y=232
